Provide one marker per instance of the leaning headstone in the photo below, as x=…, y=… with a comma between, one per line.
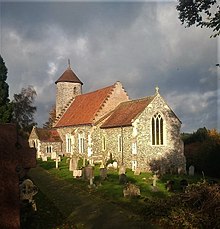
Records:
x=122, y=170
x=122, y=179
x=131, y=190
x=191, y=170
x=103, y=173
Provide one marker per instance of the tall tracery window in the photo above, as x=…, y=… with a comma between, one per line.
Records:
x=157, y=130
x=68, y=143
x=81, y=142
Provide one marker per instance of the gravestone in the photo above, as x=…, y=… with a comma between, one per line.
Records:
x=137, y=172
x=73, y=163
x=191, y=170
x=115, y=164
x=53, y=155
x=57, y=160
x=88, y=172
x=27, y=191
x=122, y=179
x=103, y=173
x=122, y=170
x=44, y=158
x=131, y=190
x=155, y=178
x=77, y=173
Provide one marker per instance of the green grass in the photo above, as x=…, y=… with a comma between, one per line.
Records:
x=110, y=188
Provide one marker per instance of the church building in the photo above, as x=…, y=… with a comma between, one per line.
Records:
x=105, y=124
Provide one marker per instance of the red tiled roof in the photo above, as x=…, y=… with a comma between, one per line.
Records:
x=48, y=135
x=84, y=108
x=126, y=111
x=69, y=76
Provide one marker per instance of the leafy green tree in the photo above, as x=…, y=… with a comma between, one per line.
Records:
x=51, y=119
x=202, y=149
x=5, y=105
x=202, y=13
x=23, y=112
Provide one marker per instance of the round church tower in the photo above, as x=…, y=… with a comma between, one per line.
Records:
x=68, y=86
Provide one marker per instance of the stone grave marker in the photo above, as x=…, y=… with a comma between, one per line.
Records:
x=191, y=170
x=88, y=172
x=73, y=163
x=115, y=164
x=122, y=170
x=77, y=173
x=137, y=172
x=122, y=179
x=53, y=155
x=44, y=158
x=103, y=173
x=131, y=190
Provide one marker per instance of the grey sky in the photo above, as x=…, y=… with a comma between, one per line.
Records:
x=140, y=44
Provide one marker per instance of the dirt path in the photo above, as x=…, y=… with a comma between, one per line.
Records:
x=82, y=209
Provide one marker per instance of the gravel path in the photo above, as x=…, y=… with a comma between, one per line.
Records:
x=82, y=209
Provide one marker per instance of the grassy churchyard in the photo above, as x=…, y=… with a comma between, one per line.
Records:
x=155, y=206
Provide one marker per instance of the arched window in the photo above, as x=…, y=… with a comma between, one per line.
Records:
x=69, y=143
x=157, y=130
x=81, y=139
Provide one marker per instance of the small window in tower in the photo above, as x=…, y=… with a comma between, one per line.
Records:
x=74, y=90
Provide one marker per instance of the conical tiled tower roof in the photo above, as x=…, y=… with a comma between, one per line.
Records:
x=69, y=76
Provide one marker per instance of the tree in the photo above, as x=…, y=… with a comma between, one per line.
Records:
x=5, y=105
x=23, y=109
x=51, y=119
x=202, y=13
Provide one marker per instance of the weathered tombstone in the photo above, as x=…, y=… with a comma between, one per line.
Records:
x=44, y=158
x=110, y=166
x=191, y=170
x=122, y=170
x=88, y=172
x=154, y=180
x=58, y=159
x=137, y=172
x=53, y=155
x=77, y=173
x=169, y=185
x=115, y=164
x=73, y=164
x=122, y=179
x=103, y=173
x=131, y=190
x=27, y=191
x=183, y=184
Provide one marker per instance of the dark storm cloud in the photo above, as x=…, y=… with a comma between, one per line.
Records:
x=140, y=44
